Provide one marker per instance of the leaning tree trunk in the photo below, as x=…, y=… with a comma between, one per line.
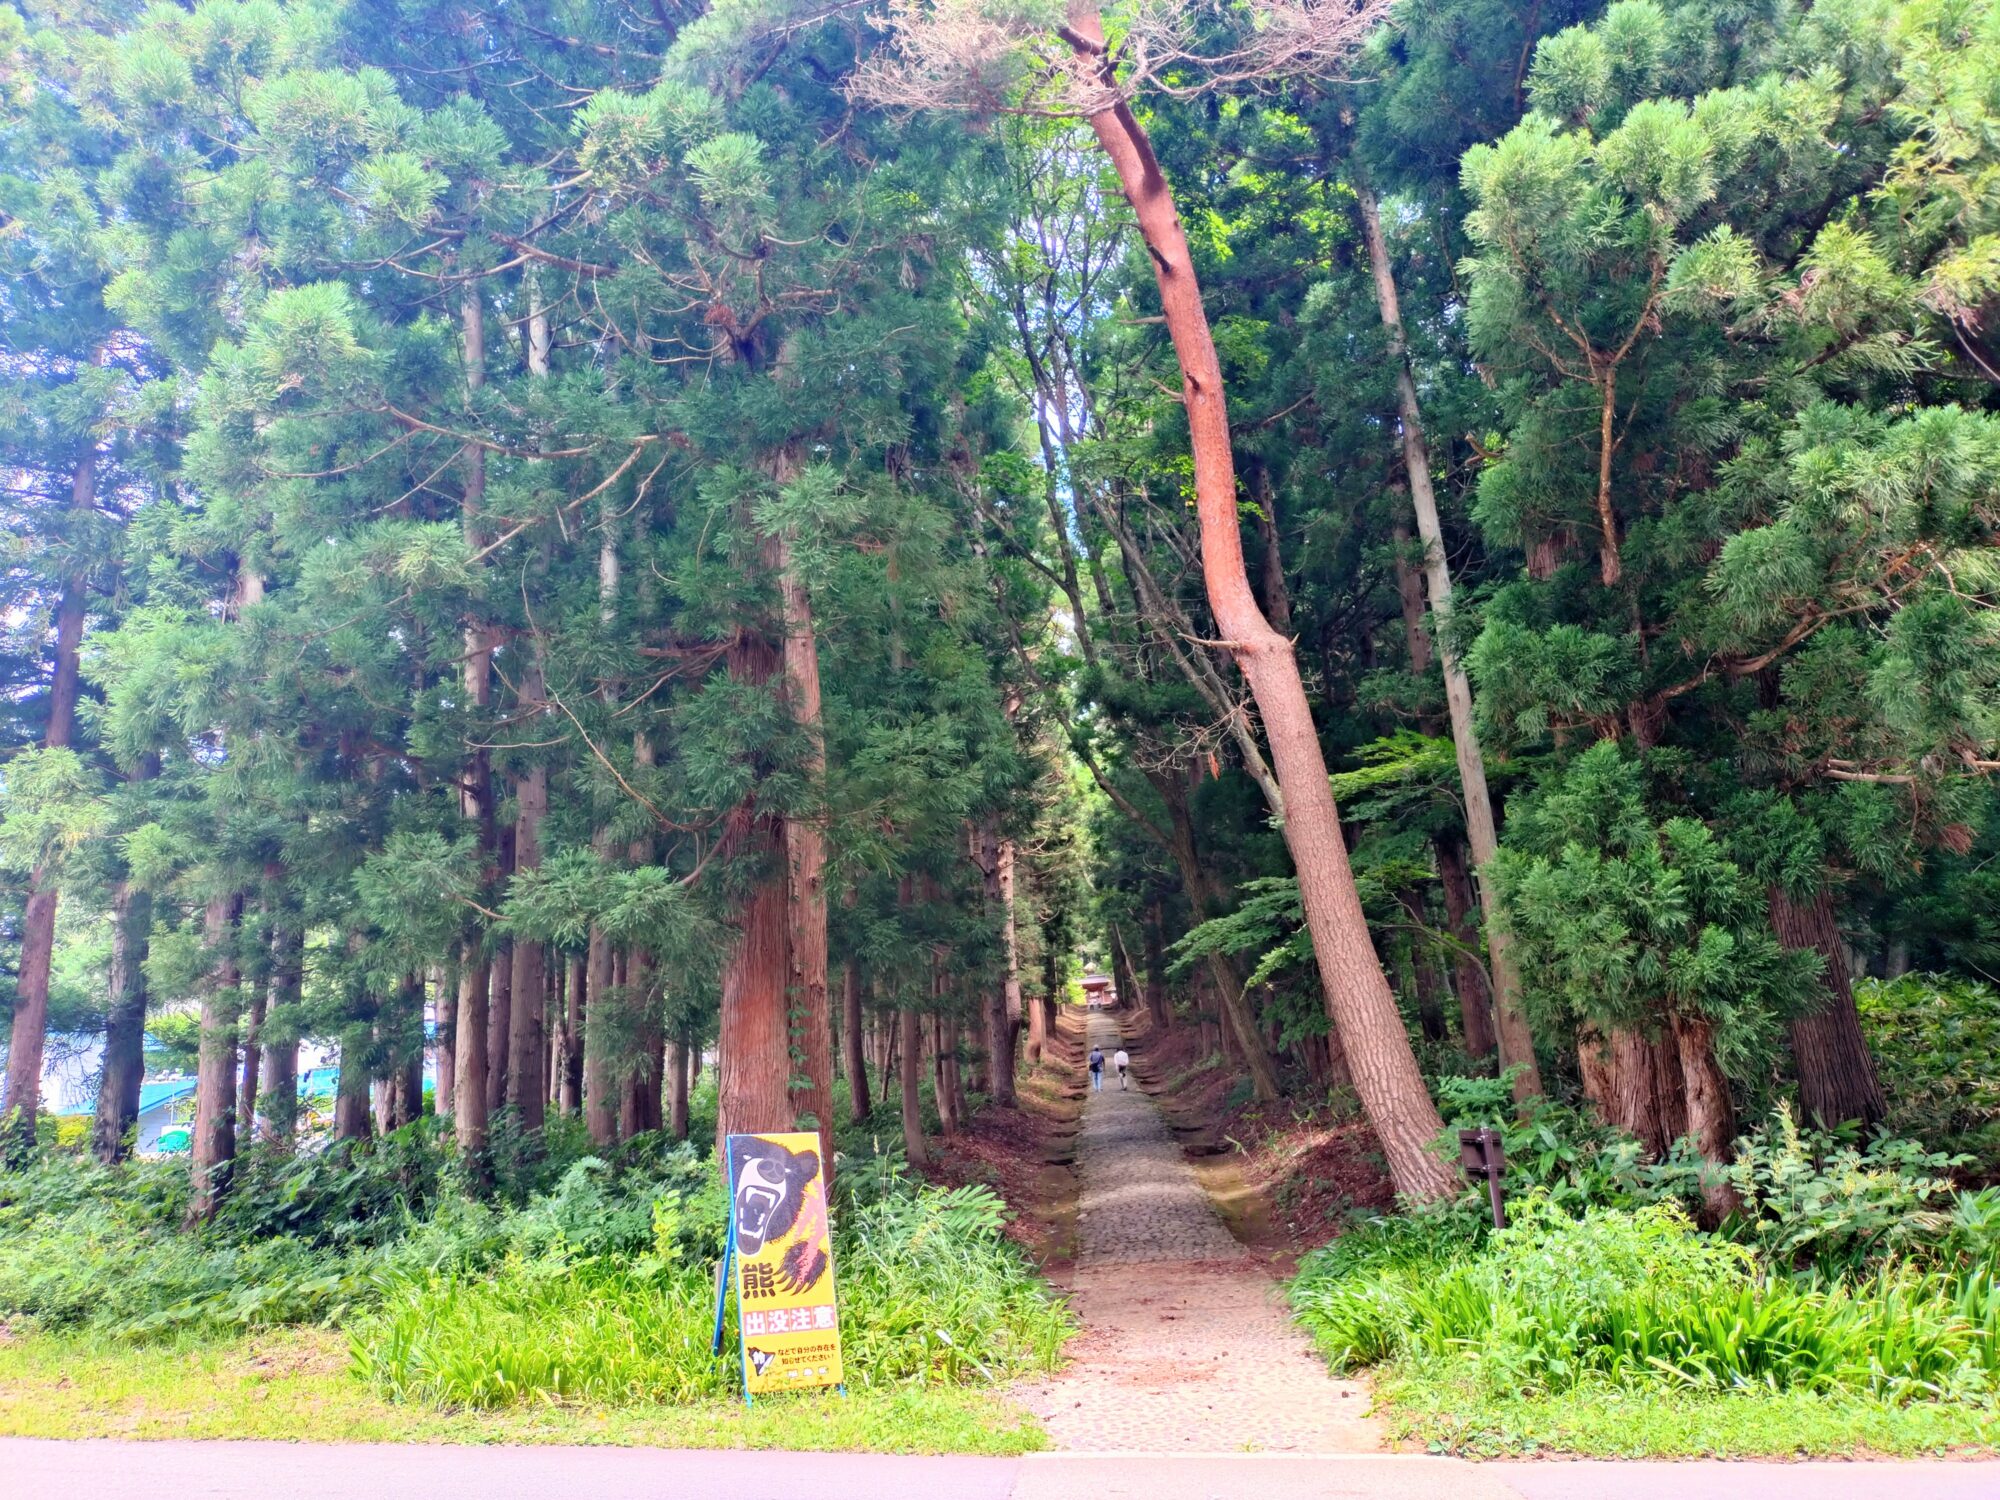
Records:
x=1517, y=1043
x=21, y=1096
x=1358, y=998
x=125, y=1024
x=805, y=848
x=213, y=1152
x=1837, y=1079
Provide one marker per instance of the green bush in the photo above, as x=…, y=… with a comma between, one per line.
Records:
x=1813, y=1197
x=547, y=1328
x=1639, y=1297
x=1935, y=1037
x=929, y=1291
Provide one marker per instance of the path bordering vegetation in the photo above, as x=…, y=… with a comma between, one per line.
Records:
x=1186, y=1345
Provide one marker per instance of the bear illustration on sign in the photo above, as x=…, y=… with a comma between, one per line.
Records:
x=770, y=1187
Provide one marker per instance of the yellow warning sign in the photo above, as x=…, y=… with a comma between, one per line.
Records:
x=783, y=1249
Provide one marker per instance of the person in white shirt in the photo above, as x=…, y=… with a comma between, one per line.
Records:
x=1121, y=1062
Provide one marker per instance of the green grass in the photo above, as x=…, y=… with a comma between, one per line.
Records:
x=1439, y=1408
x=296, y=1385
x=1627, y=1333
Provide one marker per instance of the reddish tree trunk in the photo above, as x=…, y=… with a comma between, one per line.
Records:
x=1711, y=1118
x=754, y=1084
x=1357, y=995
x=1837, y=1079
x=468, y=1049
x=805, y=848
x=1410, y=594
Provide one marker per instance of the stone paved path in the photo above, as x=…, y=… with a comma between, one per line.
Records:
x=1187, y=1346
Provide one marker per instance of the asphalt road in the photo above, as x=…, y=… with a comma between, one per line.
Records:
x=36, y=1470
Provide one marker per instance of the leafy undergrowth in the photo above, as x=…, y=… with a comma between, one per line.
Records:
x=580, y=1290
x=1850, y=1305
x=293, y=1385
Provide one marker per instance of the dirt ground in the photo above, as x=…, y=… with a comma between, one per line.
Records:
x=1171, y=1261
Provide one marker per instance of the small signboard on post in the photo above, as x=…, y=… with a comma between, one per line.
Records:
x=1484, y=1157
x=781, y=1248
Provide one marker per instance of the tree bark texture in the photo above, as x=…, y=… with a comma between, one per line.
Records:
x=1837, y=1078
x=253, y=1059
x=527, y=1020
x=754, y=1047
x=639, y=1108
x=1358, y=997
x=860, y=1101
x=910, y=1043
x=995, y=1011
x=805, y=848
x=213, y=1152
x=1711, y=1117
x=575, y=1017
x=603, y=1035
x=500, y=1008
x=1516, y=1041
x=124, y=1024
x=21, y=1095
x=471, y=1021
x=677, y=1085
x=351, y=1097
x=280, y=1111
